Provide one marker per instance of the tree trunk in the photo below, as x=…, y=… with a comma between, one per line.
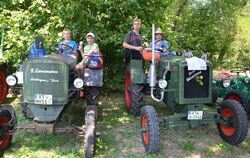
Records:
x=182, y=4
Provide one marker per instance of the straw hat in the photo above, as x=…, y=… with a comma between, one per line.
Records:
x=158, y=31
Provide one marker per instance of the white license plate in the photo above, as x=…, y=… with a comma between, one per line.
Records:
x=195, y=115
x=43, y=99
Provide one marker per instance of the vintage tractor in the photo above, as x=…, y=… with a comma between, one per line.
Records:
x=184, y=84
x=233, y=86
x=47, y=84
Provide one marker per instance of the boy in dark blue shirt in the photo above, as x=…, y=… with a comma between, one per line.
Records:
x=37, y=48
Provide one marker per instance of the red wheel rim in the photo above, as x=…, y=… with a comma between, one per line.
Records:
x=235, y=98
x=144, y=125
x=228, y=131
x=127, y=92
x=6, y=138
x=3, y=87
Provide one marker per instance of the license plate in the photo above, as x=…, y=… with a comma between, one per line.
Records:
x=43, y=99
x=195, y=115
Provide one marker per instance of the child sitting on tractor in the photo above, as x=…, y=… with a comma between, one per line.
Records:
x=91, y=56
x=37, y=48
x=161, y=45
x=68, y=46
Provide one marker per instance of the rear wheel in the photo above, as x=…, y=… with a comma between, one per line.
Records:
x=234, y=130
x=133, y=95
x=92, y=95
x=240, y=98
x=89, y=137
x=3, y=86
x=150, y=129
x=7, y=122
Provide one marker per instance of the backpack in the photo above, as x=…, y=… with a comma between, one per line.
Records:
x=95, y=61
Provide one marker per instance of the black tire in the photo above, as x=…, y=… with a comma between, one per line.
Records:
x=92, y=95
x=150, y=132
x=89, y=136
x=236, y=131
x=3, y=86
x=133, y=95
x=7, y=122
x=214, y=95
x=25, y=109
x=240, y=98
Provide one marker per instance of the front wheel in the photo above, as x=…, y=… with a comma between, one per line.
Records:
x=239, y=97
x=234, y=128
x=89, y=137
x=150, y=132
x=92, y=95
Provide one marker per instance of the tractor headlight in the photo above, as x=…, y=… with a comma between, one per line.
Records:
x=246, y=80
x=78, y=83
x=226, y=83
x=11, y=80
x=162, y=83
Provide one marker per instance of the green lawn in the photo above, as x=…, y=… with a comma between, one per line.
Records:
x=120, y=136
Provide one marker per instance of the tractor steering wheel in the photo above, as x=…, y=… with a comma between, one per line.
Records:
x=62, y=46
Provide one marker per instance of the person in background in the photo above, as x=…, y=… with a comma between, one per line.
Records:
x=37, y=48
x=72, y=50
x=133, y=42
x=161, y=45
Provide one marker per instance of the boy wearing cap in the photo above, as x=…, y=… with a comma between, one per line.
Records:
x=69, y=42
x=160, y=44
x=90, y=48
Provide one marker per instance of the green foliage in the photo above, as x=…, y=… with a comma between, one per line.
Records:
x=218, y=27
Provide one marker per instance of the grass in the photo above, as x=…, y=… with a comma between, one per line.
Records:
x=120, y=136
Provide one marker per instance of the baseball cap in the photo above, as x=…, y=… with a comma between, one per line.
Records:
x=90, y=34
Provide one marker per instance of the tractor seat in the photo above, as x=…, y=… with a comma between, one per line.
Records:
x=225, y=75
x=147, y=55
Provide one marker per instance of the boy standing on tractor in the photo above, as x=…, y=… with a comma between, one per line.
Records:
x=67, y=41
x=132, y=42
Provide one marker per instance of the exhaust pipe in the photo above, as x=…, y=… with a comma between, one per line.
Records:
x=152, y=81
x=152, y=71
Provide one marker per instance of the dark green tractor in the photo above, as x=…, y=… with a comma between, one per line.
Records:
x=233, y=86
x=46, y=85
x=184, y=84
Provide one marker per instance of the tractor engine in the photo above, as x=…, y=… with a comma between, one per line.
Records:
x=45, y=87
x=185, y=86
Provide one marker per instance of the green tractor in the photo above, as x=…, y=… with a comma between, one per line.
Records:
x=184, y=84
x=233, y=86
x=46, y=85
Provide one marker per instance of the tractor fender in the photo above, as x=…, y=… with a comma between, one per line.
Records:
x=137, y=71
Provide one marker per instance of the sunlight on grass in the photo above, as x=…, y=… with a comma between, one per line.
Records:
x=193, y=155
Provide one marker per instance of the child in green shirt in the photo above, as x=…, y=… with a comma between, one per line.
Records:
x=90, y=48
